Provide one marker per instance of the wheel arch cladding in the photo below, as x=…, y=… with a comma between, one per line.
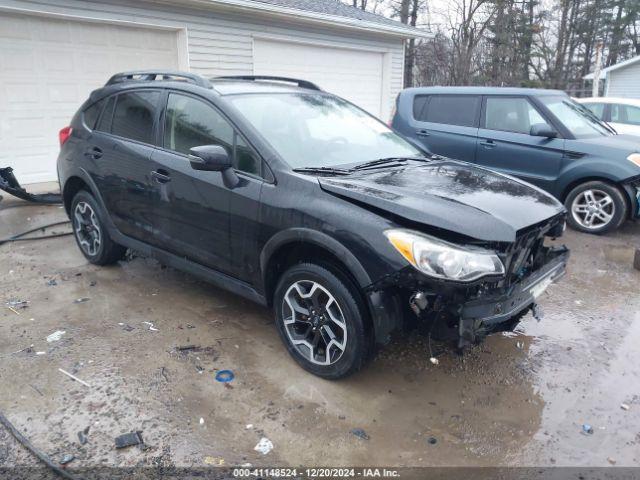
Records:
x=291, y=246
x=71, y=187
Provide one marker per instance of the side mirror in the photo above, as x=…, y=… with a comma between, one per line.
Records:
x=543, y=130
x=211, y=158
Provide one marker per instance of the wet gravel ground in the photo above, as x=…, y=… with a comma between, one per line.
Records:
x=518, y=399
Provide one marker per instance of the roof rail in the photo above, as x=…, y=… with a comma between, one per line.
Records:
x=151, y=75
x=297, y=81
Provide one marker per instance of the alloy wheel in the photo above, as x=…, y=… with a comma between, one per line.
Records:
x=593, y=209
x=87, y=228
x=314, y=322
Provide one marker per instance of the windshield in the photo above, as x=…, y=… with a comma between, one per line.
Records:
x=317, y=130
x=580, y=122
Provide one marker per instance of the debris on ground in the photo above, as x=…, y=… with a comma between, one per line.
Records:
x=432, y=440
x=215, y=461
x=519, y=345
x=126, y=327
x=264, y=446
x=612, y=461
x=201, y=421
x=224, y=376
x=9, y=183
x=52, y=282
x=588, y=429
x=55, y=336
x=15, y=305
x=624, y=406
x=41, y=353
x=151, y=326
x=129, y=439
x=81, y=300
x=185, y=348
x=73, y=377
x=434, y=361
x=83, y=436
x=360, y=433
x=28, y=349
x=68, y=458
x=249, y=426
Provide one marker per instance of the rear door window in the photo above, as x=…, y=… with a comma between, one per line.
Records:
x=135, y=114
x=625, y=114
x=461, y=110
x=511, y=114
x=419, y=102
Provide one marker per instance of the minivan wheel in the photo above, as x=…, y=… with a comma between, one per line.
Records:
x=320, y=321
x=90, y=232
x=596, y=207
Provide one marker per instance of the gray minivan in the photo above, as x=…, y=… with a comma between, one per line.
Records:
x=541, y=136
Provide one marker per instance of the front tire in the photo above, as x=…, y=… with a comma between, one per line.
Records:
x=90, y=231
x=320, y=321
x=596, y=207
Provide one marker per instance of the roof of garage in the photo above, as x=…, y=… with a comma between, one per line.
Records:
x=328, y=11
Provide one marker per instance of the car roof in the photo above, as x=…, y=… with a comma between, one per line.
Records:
x=485, y=91
x=624, y=101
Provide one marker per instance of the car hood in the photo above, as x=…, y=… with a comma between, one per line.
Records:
x=626, y=144
x=451, y=195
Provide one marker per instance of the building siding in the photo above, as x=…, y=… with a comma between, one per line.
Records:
x=222, y=43
x=624, y=82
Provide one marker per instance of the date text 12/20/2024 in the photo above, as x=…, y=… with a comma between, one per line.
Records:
x=313, y=473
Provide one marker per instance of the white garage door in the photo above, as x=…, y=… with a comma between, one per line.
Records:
x=352, y=74
x=48, y=67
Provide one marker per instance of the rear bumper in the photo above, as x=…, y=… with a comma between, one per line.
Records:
x=502, y=311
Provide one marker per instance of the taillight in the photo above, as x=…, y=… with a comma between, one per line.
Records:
x=64, y=135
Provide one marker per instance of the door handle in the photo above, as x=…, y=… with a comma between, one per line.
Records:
x=160, y=176
x=488, y=144
x=422, y=133
x=95, y=153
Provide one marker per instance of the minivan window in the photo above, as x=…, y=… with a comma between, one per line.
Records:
x=190, y=122
x=92, y=113
x=511, y=114
x=461, y=110
x=134, y=115
x=625, y=114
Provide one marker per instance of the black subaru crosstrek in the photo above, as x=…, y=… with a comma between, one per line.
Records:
x=297, y=199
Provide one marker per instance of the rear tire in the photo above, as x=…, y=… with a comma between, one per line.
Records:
x=320, y=321
x=90, y=232
x=596, y=207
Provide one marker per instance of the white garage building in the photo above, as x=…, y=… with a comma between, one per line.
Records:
x=54, y=52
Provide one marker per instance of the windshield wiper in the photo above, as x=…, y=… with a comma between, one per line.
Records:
x=384, y=161
x=323, y=170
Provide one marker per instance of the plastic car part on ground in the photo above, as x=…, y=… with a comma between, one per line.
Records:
x=10, y=184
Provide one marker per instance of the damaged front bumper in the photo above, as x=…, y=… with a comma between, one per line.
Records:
x=502, y=310
x=10, y=184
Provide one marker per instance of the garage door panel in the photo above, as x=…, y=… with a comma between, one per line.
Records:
x=48, y=67
x=355, y=75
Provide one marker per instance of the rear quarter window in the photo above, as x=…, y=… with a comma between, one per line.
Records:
x=460, y=110
x=92, y=113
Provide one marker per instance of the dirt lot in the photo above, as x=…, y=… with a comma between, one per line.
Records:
x=518, y=399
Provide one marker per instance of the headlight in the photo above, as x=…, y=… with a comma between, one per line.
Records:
x=440, y=259
x=634, y=158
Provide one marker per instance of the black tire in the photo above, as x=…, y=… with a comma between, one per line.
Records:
x=106, y=251
x=354, y=314
x=617, y=210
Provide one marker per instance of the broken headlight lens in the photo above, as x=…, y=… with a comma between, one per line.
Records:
x=441, y=259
